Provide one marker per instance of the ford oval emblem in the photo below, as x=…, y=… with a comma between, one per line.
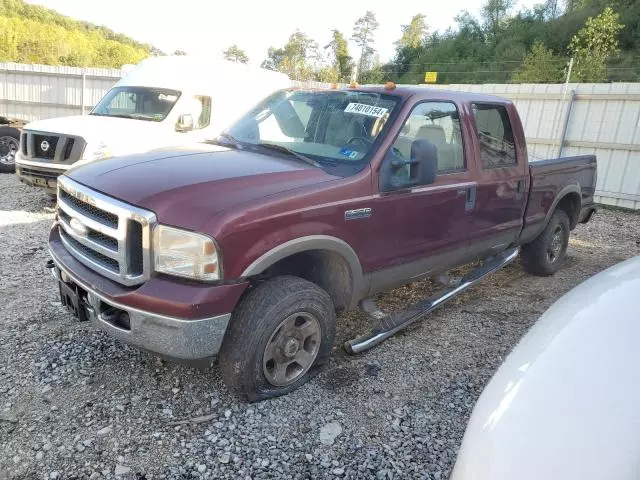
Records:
x=44, y=146
x=78, y=227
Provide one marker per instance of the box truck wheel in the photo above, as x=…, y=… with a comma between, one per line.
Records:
x=9, y=144
x=545, y=255
x=278, y=337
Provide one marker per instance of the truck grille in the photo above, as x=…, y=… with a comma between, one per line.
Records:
x=45, y=146
x=108, y=236
x=63, y=149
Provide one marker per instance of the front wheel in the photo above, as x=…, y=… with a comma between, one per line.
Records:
x=545, y=255
x=278, y=337
x=9, y=144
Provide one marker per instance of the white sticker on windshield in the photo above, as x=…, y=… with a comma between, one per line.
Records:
x=363, y=109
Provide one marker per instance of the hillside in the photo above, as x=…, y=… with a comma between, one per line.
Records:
x=34, y=34
x=529, y=46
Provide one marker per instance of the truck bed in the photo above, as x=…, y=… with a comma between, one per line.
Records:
x=550, y=181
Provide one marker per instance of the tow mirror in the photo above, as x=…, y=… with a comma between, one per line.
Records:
x=398, y=173
x=184, y=123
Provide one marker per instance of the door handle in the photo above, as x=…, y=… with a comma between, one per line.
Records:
x=470, y=202
x=520, y=190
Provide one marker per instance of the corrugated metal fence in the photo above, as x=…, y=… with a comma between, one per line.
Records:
x=595, y=118
x=602, y=118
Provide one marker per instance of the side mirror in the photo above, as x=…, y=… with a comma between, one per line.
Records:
x=398, y=173
x=184, y=123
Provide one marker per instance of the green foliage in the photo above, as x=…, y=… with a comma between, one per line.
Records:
x=294, y=58
x=503, y=47
x=342, y=61
x=540, y=66
x=363, y=34
x=414, y=33
x=235, y=54
x=594, y=44
x=33, y=34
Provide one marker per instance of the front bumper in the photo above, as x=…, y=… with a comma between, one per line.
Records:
x=39, y=174
x=106, y=304
x=172, y=337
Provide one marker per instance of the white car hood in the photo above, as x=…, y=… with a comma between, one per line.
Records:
x=566, y=402
x=96, y=128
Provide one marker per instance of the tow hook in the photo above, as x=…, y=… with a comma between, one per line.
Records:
x=50, y=264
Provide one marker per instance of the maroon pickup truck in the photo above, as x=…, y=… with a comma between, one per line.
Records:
x=312, y=203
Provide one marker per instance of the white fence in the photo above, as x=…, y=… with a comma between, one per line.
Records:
x=603, y=118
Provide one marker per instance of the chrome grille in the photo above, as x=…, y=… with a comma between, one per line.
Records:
x=108, y=236
x=106, y=218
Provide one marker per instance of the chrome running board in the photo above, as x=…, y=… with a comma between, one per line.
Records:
x=390, y=324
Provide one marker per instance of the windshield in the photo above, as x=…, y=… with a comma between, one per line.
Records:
x=140, y=103
x=335, y=127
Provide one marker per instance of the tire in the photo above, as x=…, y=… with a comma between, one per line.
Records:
x=546, y=254
x=9, y=145
x=279, y=323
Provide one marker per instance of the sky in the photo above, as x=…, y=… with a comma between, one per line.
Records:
x=206, y=27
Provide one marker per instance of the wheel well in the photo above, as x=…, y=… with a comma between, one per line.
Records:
x=327, y=269
x=570, y=203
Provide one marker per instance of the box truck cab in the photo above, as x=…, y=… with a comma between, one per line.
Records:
x=162, y=101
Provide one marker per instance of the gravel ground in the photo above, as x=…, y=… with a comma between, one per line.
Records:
x=74, y=403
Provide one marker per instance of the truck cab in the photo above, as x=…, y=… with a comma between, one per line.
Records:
x=307, y=206
x=161, y=101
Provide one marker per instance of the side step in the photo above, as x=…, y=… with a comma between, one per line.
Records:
x=390, y=324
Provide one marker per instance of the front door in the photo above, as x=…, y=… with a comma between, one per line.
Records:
x=421, y=230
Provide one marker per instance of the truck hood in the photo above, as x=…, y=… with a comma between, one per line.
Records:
x=185, y=186
x=95, y=127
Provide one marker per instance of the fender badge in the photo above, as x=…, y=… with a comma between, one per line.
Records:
x=357, y=213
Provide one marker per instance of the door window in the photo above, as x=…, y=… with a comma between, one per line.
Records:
x=439, y=123
x=495, y=136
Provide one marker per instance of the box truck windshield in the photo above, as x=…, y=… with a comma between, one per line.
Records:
x=139, y=103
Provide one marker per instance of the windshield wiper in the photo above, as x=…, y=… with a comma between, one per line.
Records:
x=230, y=141
x=134, y=116
x=293, y=153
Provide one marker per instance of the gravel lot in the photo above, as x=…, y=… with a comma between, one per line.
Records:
x=76, y=404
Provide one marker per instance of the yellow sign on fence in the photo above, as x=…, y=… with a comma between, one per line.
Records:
x=430, y=77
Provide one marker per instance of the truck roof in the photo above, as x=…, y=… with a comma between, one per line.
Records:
x=185, y=72
x=406, y=91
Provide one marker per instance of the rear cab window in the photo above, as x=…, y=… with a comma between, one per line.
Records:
x=495, y=135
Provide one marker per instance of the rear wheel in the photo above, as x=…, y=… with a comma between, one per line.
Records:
x=546, y=254
x=279, y=336
x=9, y=144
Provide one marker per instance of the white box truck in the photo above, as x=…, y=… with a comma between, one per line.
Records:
x=162, y=101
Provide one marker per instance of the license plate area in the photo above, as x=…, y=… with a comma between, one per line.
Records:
x=39, y=181
x=74, y=299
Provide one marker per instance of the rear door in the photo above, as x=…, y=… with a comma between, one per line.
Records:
x=503, y=178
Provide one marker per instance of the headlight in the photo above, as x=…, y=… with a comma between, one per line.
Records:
x=96, y=152
x=185, y=254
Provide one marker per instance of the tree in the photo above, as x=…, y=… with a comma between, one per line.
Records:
x=540, y=66
x=34, y=34
x=413, y=34
x=235, y=54
x=594, y=45
x=294, y=58
x=363, y=32
x=494, y=13
x=342, y=61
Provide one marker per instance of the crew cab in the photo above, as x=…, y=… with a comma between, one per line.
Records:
x=314, y=201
